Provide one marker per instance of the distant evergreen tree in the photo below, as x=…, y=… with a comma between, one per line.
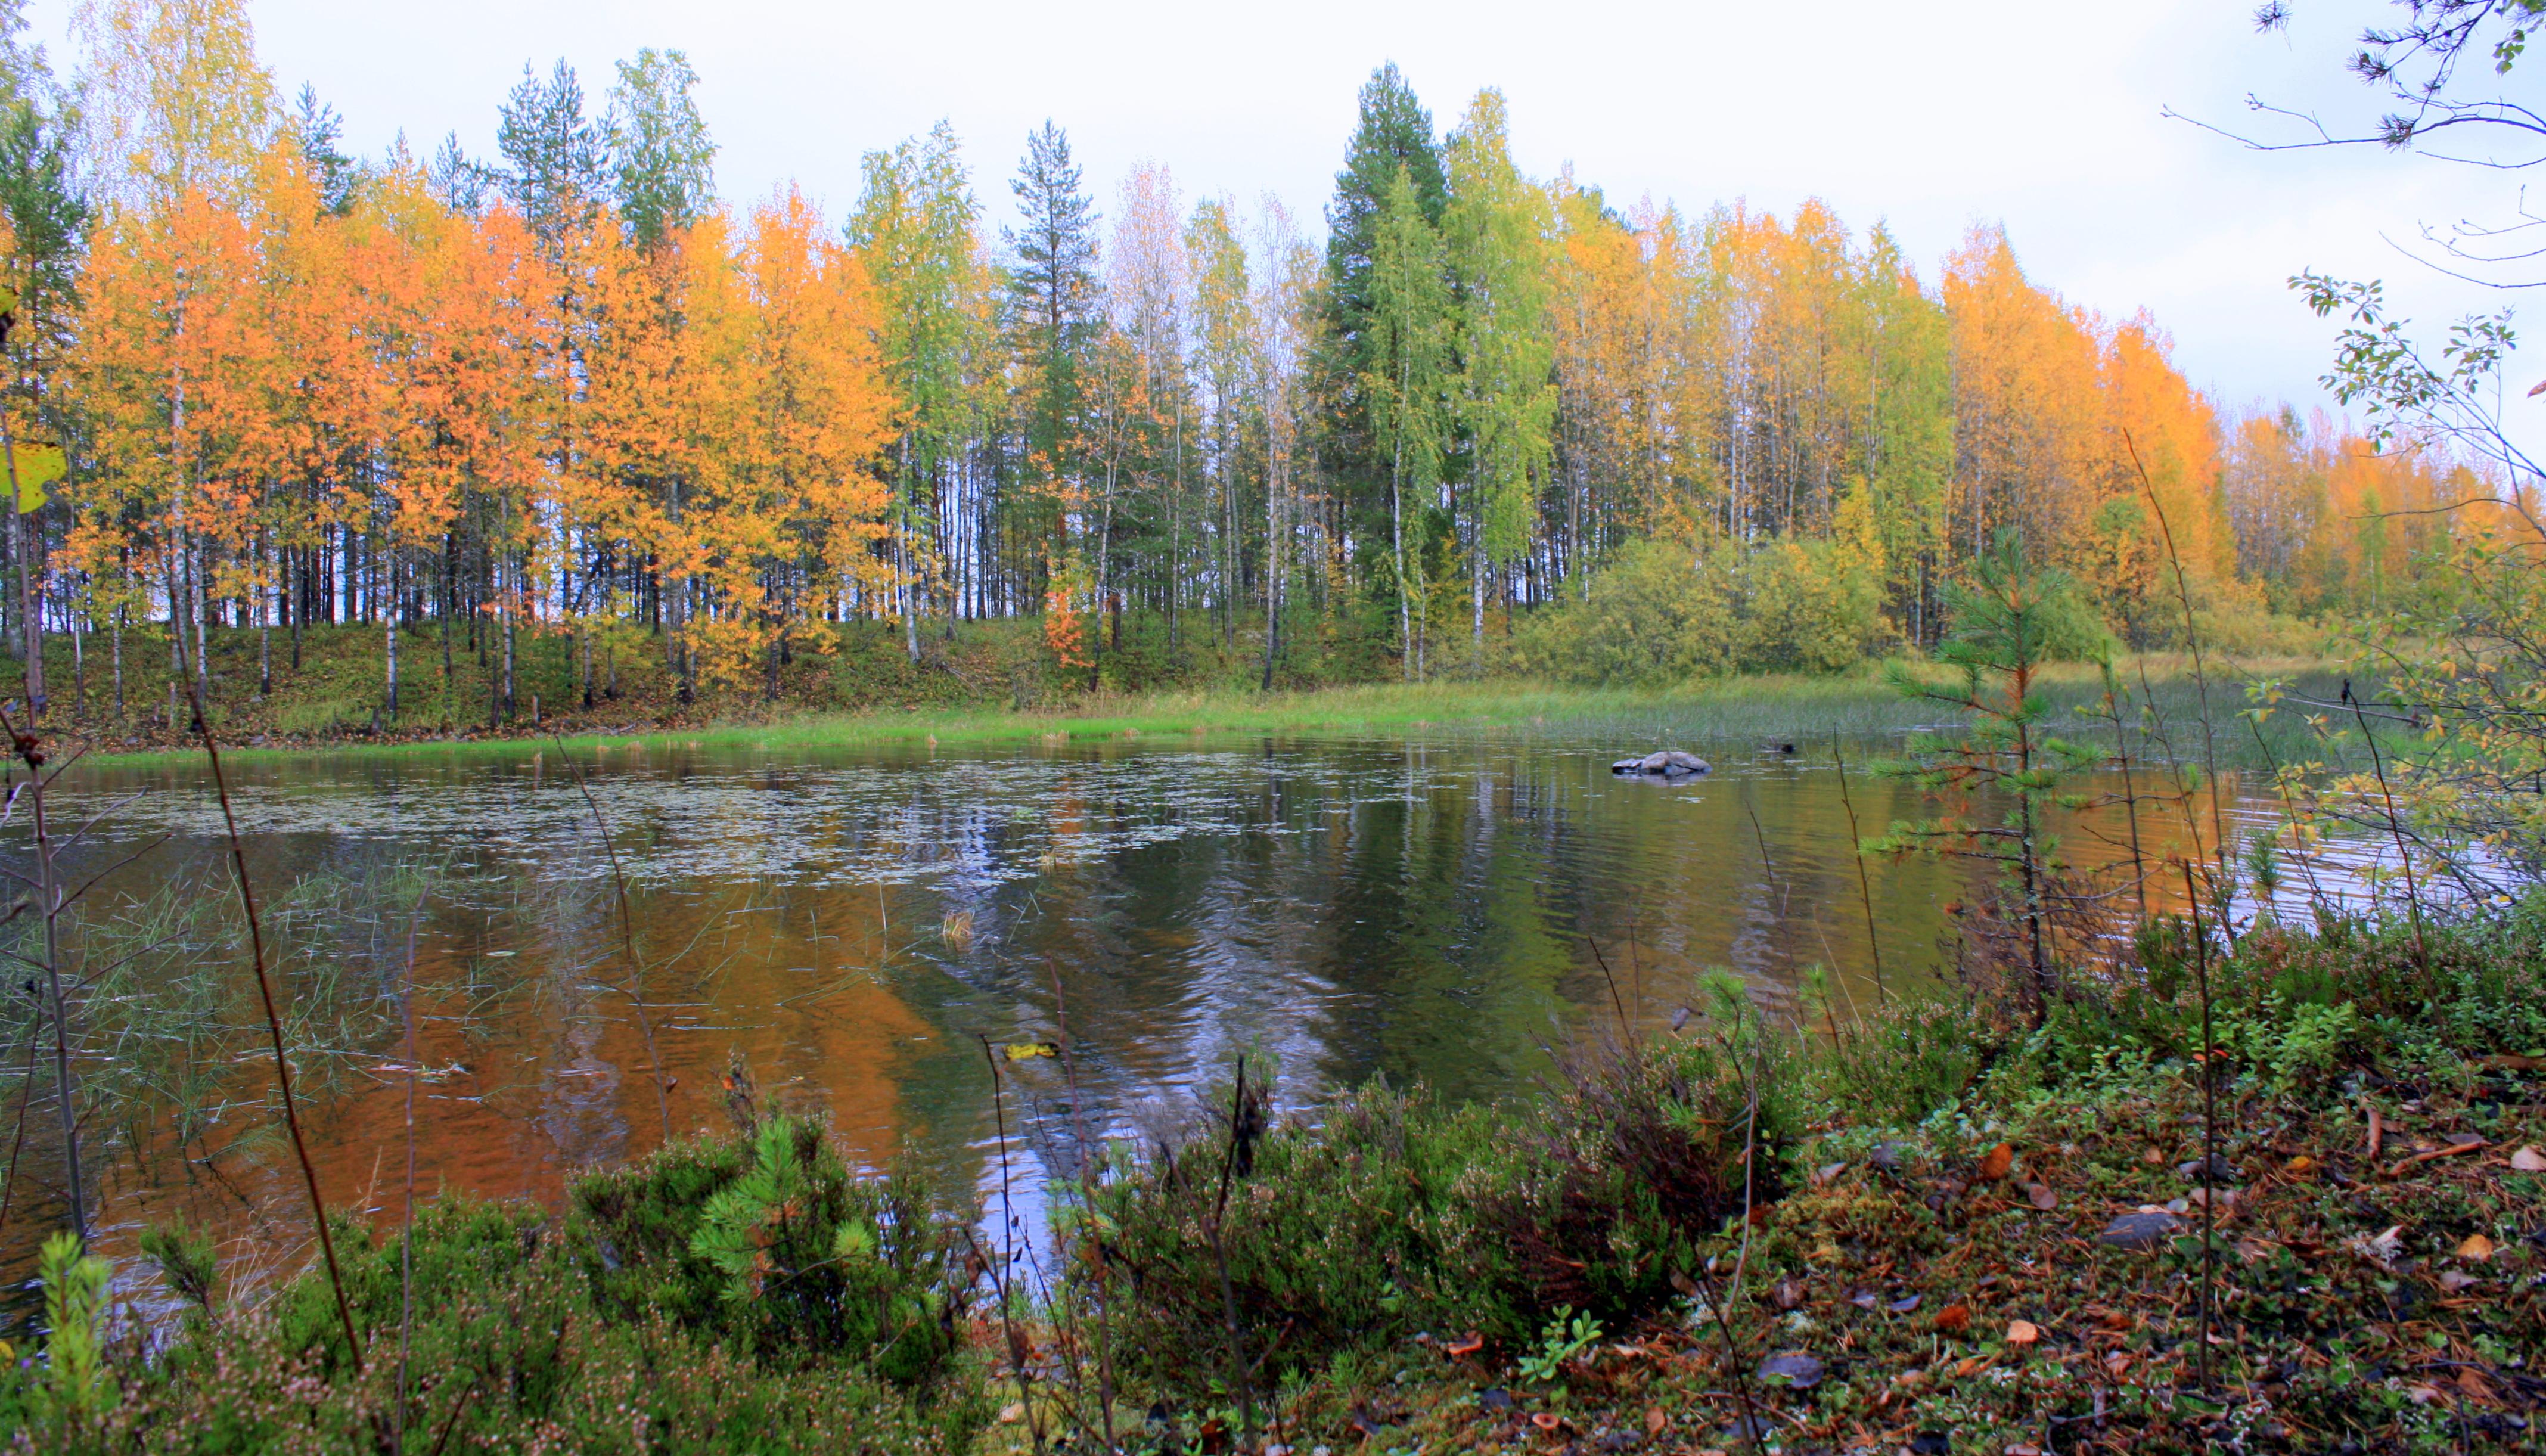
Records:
x=1394, y=135
x=462, y=181
x=659, y=149
x=1053, y=297
x=318, y=132
x=557, y=158
x=48, y=215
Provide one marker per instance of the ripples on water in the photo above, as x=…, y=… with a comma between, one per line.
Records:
x=860, y=923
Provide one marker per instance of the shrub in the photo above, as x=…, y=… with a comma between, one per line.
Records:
x=773, y=1243
x=1395, y=1213
x=1663, y=613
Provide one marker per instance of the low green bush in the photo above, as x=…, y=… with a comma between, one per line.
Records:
x=1393, y=1213
x=530, y=1332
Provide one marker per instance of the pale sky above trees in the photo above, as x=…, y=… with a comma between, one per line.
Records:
x=1934, y=115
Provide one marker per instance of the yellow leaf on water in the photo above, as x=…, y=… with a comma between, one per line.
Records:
x=1028, y=1051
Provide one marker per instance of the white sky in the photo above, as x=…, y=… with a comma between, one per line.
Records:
x=1930, y=113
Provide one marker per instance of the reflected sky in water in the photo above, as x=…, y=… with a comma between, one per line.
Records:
x=860, y=923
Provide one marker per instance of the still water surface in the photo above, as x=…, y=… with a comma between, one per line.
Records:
x=859, y=922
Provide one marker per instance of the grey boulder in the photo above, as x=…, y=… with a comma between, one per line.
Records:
x=1669, y=763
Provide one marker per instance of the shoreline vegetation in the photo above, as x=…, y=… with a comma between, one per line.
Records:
x=847, y=705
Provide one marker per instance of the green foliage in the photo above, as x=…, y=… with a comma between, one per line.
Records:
x=1395, y=1213
x=772, y=1244
x=1558, y=1345
x=1658, y=616
x=187, y=1257
x=2007, y=621
x=526, y=1334
x=75, y=1381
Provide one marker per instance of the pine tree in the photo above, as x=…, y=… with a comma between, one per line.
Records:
x=1394, y=136
x=1053, y=319
x=318, y=134
x=557, y=158
x=2004, y=617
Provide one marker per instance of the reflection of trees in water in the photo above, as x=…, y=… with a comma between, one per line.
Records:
x=1343, y=908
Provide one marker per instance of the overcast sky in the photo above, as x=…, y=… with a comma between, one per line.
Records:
x=1931, y=116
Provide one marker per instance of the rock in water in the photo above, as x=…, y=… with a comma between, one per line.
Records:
x=1669, y=763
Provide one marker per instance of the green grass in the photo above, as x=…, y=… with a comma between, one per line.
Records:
x=993, y=683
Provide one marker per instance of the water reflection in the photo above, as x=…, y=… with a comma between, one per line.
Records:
x=862, y=925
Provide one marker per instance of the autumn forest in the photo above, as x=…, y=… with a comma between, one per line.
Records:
x=568, y=394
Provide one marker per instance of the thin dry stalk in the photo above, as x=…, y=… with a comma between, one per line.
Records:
x=2130, y=789
x=2201, y=669
x=1237, y=1366
x=2396, y=827
x=2209, y=1121
x=1019, y=1362
x=1856, y=852
x=18, y=1139
x=2289, y=811
x=1625, y=1028
x=407, y=1218
x=273, y=1028
x=626, y=941
x=1096, y=1247
x=49, y=899
x=1733, y=1362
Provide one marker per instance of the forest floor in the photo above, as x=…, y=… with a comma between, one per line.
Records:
x=992, y=683
x=2028, y=1278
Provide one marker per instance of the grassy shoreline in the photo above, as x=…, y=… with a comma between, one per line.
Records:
x=1795, y=708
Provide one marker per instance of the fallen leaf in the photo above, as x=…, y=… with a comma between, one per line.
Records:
x=1789, y=1294
x=2476, y=1248
x=2023, y=1331
x=2454, y=1280
x=1012, y=1412
x=1461, y=1350
x=2529, y=1161
x=2024, y=1449
x=2042, y=1196
x=1905, y=1303
x=1995, y=1163
x=1828, y=1174
x=2302, y=1166
x=1953, y=1318
x=1025, y=1051
x=1655, y=1422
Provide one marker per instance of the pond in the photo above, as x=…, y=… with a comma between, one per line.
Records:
x=866, y=928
